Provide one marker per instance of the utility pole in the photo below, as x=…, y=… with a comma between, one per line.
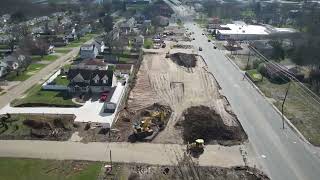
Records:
x=247, y=65
x=284, y=100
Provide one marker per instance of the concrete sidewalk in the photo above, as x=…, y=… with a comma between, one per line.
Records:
x=156, y=154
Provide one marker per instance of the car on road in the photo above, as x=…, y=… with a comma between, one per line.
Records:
x=103, y=96
x=193, y=38
x=209, y=40
x=214, y=47
x=200, y=48
x=202, y=33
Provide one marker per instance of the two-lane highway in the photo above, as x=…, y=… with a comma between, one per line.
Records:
x=282, y=154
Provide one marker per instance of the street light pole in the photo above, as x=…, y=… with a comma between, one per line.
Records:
x=284, y=100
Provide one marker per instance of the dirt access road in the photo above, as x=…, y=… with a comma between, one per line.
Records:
x=41, y=76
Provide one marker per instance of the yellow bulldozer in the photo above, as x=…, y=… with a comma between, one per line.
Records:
x=196, y=148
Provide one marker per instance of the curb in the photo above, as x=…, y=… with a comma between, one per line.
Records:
x=300, y=135
x=288, y=122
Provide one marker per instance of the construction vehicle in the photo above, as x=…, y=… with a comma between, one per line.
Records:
x=148, y=127
x=196, y=148
x=142, y=129
x=158, y=117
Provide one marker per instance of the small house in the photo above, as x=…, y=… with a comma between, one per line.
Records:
x=138, y=41
x=88, y=51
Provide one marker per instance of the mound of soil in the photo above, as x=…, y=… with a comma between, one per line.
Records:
x=203, y=122
x=127, y=118
x=183, y=59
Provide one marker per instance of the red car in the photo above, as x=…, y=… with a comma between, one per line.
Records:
x=103, y=96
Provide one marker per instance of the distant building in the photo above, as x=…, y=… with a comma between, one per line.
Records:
x=241, y=31
x=88, y=51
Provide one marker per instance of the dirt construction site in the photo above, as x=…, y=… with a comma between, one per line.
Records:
x=175, y=77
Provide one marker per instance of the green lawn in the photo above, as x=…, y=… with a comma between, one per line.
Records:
x=148, y=43
x=62, y=50
x=254, y=75
x=36, y=169
x=41, y=98
x=3, y=46
x=36, y=58
x=61, y=81
x=31, y=70
x=50, y=58
x=82, y=40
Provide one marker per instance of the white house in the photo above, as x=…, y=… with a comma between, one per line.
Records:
x=88, y=51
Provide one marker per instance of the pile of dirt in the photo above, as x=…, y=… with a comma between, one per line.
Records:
x=205, y=123
x=123, y=128
x=183, y=59
x=52, y=129
x=39, y=127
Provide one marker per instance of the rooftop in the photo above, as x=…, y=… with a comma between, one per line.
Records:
x=243, y=29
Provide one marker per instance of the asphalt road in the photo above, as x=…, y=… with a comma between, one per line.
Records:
x=283, y=155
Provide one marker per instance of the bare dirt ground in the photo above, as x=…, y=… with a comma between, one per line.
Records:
x=186, y=169
x=161, y=80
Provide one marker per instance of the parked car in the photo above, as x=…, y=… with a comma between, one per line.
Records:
x=200, y=48
x=214, y=47
x=103, y=96
x=209, y=40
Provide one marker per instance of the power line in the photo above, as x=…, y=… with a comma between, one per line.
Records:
x=289, y=75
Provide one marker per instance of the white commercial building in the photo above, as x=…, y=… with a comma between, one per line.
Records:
x=242, y=31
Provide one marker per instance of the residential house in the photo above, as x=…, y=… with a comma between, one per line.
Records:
x=124, y=68
x=90, y=80
x=16, y=61
x=59, y=41
x=127, y=27
x=162, y=21
x=85, y=30
x=4, y=69
x=138, y=41
x=4, y=39
x=88, y=51
x=71, y=37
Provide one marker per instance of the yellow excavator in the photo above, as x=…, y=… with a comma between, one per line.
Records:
x=158, y=117
x=196, y=148
x=142, y=129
